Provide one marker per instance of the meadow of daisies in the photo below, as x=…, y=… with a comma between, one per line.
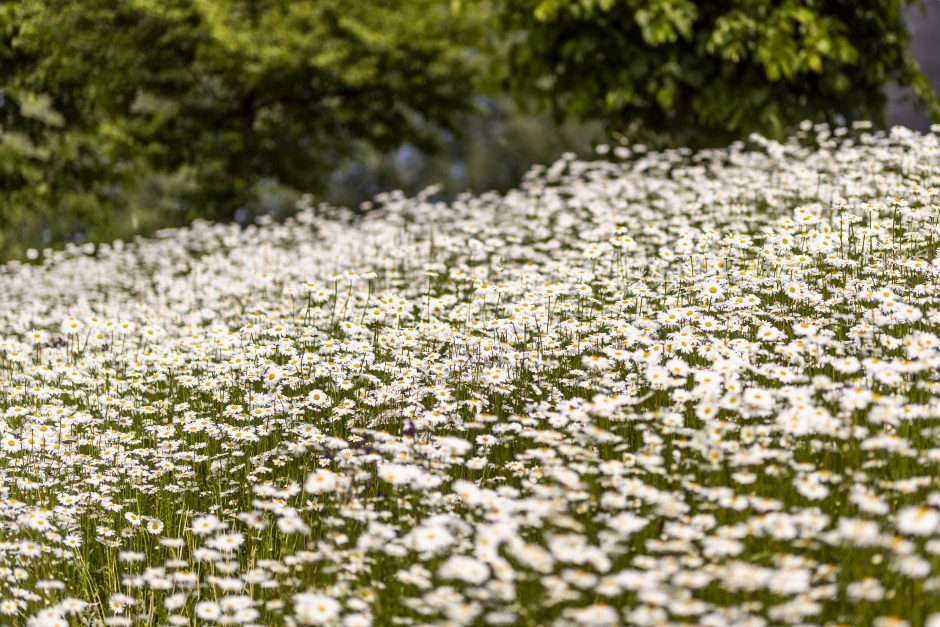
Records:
x=649, y=388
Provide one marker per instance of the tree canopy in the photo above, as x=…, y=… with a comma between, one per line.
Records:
x=214, y=94
x=700, y=72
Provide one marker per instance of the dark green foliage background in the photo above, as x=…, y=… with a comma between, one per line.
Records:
x=192, y=103
x=702, y=73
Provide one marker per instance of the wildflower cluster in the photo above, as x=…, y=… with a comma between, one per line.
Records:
x=662, y=388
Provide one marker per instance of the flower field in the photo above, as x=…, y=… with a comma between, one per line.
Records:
x=651, y=388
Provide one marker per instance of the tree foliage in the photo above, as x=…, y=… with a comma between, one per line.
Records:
x=699, y=72
x=212, y=95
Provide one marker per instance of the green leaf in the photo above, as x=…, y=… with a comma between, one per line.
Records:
x=39, y=107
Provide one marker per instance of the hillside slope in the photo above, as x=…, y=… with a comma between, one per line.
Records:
x=699, y=388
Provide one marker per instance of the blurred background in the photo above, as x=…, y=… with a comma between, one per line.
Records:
x=923, y=22
x=120, y=118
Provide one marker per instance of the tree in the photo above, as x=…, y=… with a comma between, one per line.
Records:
x=699, y=72
x=213, y=95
